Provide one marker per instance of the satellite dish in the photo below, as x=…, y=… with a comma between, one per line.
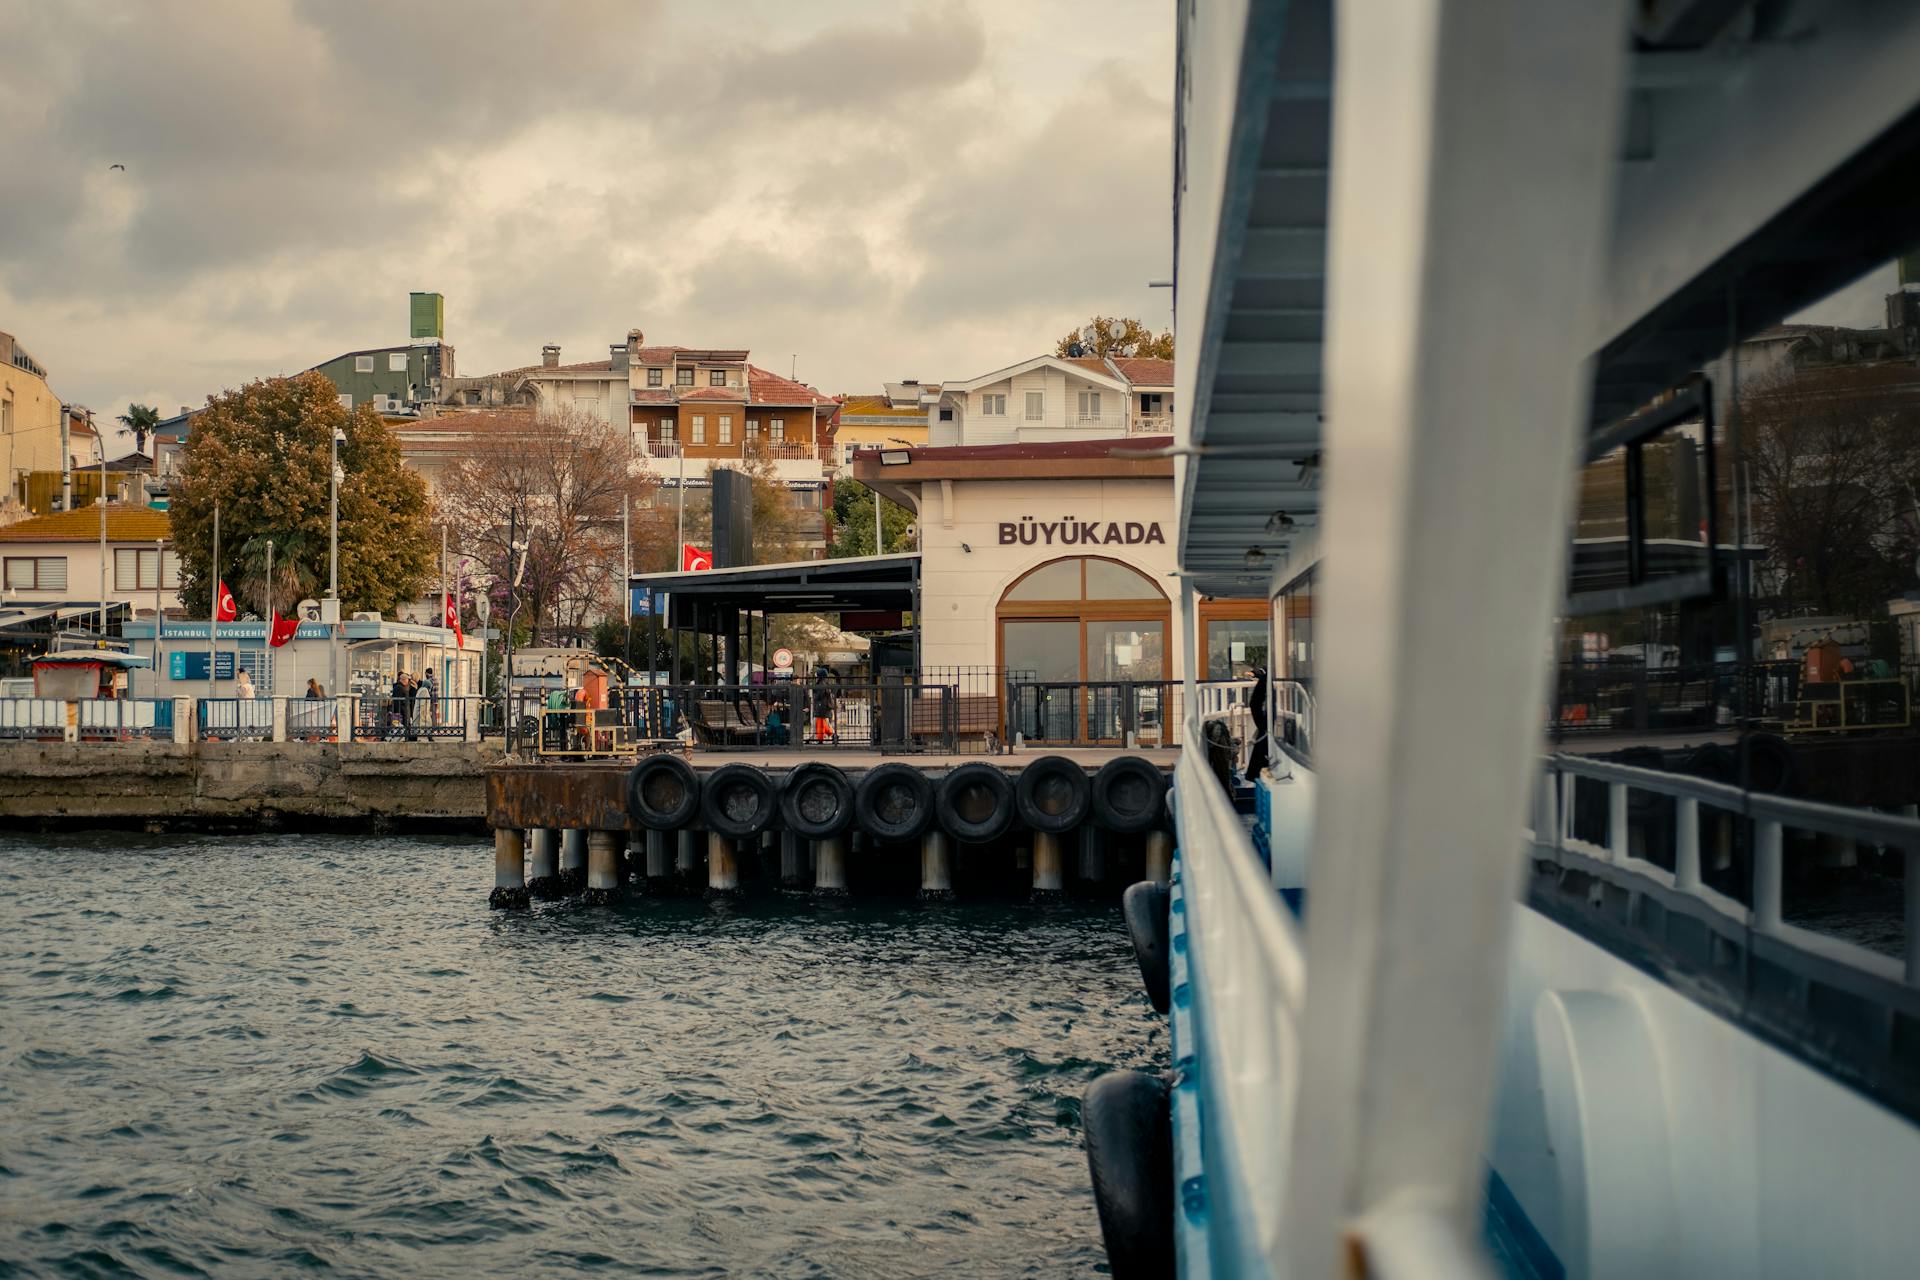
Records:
x=309, y=610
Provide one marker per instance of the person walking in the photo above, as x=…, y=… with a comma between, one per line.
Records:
x=243, y=686
x=822, y=706
x=423, y=701
x=430, y=690
x=314, y=690
x=400, y=704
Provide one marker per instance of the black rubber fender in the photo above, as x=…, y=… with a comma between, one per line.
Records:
x=739, y=800
x=817, y=800
x=1145, y=907
x=663, y=793
x=975, y=802
x=1053, y=794
x=1772, y=765
x=1129, y=794
x=1128, y=1120
x=894, y=801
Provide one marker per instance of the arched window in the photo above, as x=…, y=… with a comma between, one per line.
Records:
x=1076, y=632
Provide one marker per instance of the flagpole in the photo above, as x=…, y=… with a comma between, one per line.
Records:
x=273, y=665
x=213, y=612
x=446, y=602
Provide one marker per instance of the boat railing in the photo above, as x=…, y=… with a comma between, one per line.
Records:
x=1292, y=713
x=1719, y=844
x=1241, y=1003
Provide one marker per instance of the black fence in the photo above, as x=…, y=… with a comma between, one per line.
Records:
x=1118, y=713
x=380, y=718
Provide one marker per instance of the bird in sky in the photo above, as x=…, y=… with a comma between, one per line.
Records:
x=122, y=168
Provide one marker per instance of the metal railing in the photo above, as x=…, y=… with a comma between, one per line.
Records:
x=1718, y=844
x=93, y=719
x=1239, y=974
x=1151, y=424
x=1292, y=715
x=235, y=719
x=1130, y=713
x=313, y=720
x=381, y=718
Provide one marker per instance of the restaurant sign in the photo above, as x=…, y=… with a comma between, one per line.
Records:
x=1029, y=532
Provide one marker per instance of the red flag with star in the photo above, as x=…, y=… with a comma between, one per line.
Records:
x=226, y=610
x=451, y=620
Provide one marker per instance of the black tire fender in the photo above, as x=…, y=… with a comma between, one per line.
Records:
x=738, y=800
x=894, y=801
x=817, y=800
x=1053, y=794
x=975, y=802
x=1128, y=1120
x=1145, y=907
x=663, y=793
x=1129, y=795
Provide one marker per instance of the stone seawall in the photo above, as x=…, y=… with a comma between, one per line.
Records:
x=438, y=785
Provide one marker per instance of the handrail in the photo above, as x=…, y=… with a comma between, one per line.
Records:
x=1771, y=816
x=1248, y=989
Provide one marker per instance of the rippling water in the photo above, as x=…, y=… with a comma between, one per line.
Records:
x=259, y=1056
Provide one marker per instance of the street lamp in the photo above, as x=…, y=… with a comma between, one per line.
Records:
x=333, y=556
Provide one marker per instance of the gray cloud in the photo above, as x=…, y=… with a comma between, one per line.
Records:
x=923, y=187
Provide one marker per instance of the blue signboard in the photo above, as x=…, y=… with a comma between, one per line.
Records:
x=648, y=603
x=191, y=664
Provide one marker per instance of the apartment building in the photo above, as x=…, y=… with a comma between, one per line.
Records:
x=1054, y=398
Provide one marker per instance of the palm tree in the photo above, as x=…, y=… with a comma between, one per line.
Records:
x=140, y=419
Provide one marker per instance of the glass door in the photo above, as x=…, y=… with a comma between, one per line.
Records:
x=1049, y=708
x=1126, y=668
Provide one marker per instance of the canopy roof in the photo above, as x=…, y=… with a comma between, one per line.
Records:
x=800, y=586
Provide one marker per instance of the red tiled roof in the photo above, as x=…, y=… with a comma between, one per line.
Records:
x=1146, y=371
x=658, y=395
x=124, y=524
x=657, y=355
x=771, y=388
x=1046, y=449
x=737, y=395
x=483, y=420
x=1095, y=363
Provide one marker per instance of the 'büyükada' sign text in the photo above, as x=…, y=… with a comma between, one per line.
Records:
x=1078, y=533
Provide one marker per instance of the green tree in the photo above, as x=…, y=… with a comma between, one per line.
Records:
x=853, y=522
x=261, y=453
x=140, y=419
x=1115, y=336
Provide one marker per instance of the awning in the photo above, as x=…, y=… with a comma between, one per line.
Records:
x=889, y=582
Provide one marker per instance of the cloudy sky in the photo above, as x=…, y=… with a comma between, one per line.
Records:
x=896, y=188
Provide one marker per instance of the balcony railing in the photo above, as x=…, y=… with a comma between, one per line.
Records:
x=1152, y=424
x=670, y=450
x=1119, y=423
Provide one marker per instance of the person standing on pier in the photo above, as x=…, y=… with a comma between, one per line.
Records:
x=243, y=685
x=314, y=691
x=400, y=704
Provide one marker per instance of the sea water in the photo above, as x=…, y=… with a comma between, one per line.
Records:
x=269, y=1055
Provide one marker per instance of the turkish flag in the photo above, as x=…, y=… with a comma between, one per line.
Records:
x=693, y=558
x=226, y=610
x=280, y=630
x=450, y=618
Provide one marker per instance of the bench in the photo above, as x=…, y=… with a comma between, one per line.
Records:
x=719, y=723
x=975, y=715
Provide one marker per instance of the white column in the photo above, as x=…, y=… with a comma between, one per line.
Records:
x=183, y=709
x=573, y=859
x=509, y=869
x=343, y=708
x=936, y=866
x=472, y=713
x=830, y=867
x=659, y=860
x=279, y=719
x=603, y=866
x=1473, y=146
x=1049, y=867
x=723, y=864
x=543, y=879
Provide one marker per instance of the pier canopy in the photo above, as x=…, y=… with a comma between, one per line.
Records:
x=854, y=584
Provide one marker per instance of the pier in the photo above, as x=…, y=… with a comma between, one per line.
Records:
x=939, y=827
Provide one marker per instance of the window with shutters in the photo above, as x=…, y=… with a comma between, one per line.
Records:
x=145, y=569
x=36, y=573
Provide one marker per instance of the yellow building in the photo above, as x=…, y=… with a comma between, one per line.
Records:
x=899, y=416
x=29, y=417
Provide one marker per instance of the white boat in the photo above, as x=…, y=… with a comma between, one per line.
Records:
x=1452, y=276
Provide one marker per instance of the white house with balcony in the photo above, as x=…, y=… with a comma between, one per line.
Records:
x=1053, y=398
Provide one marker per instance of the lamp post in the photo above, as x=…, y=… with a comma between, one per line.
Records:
x=333, y=556
x=273, y=668
x=100, y=444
